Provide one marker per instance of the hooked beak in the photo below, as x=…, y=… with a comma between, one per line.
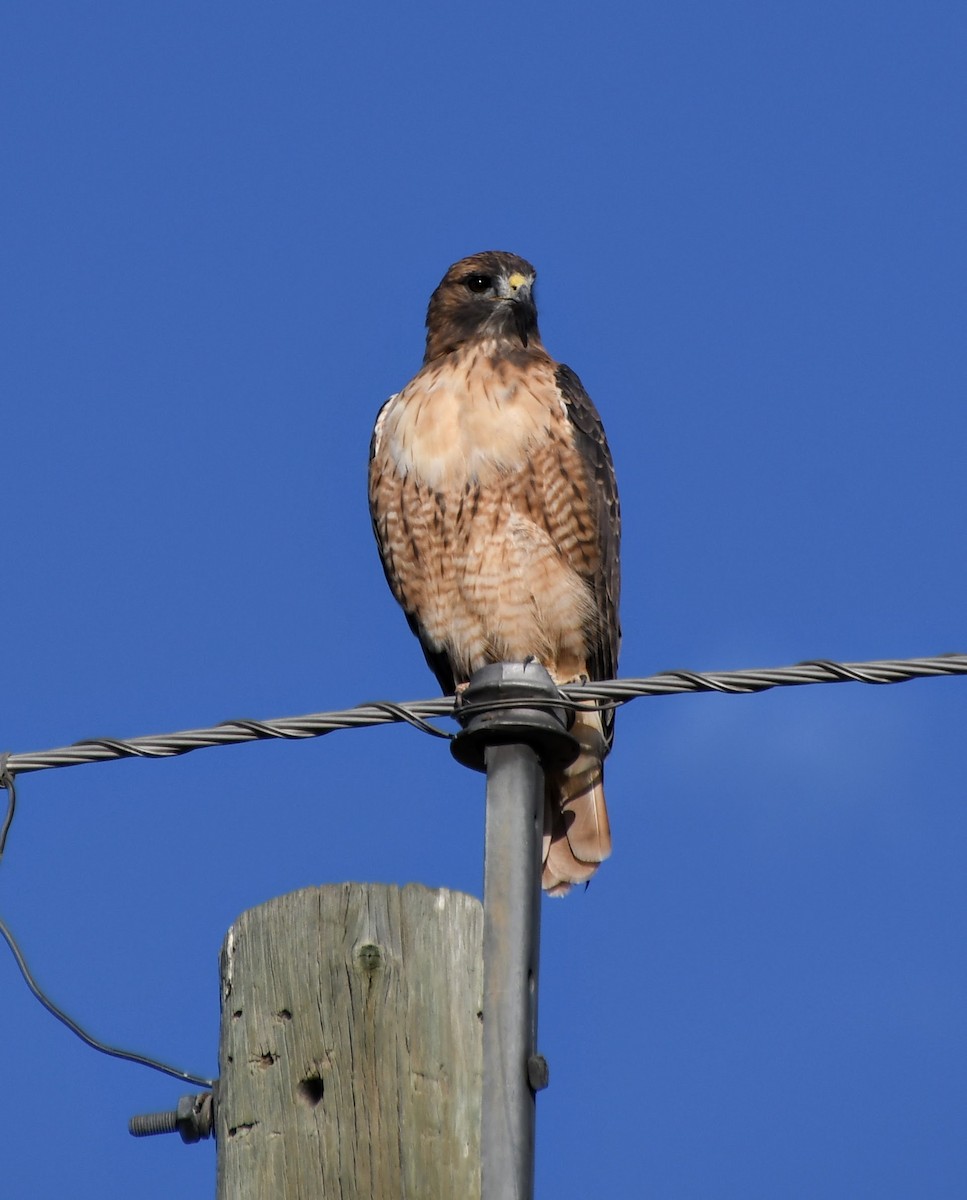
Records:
x=516, y=289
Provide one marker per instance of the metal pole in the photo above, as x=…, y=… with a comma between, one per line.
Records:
x=511, y=948
x=513, y=738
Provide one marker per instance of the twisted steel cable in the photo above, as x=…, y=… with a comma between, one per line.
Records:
x=601, y=694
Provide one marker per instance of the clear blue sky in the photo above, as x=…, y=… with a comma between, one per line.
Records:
x=221, y=226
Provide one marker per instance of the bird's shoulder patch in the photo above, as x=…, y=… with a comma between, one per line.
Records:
x=376, y=439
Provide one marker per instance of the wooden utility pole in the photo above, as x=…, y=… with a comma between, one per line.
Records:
x=350, y=1055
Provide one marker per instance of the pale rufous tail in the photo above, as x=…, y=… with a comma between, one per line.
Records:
x=577, y=836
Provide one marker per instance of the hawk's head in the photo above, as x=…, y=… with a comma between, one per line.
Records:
x=488, y=295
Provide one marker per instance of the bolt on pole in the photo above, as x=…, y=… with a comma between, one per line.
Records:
x=512, y=730
x=193, y=1119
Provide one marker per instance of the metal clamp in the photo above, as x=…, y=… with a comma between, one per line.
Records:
x=513, y=704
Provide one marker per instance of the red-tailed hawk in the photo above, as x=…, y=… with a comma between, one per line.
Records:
x=495, y=508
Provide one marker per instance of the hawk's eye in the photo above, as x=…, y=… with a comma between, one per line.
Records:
x=479, y=283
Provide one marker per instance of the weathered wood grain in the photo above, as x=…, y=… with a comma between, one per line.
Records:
x=350, y=1050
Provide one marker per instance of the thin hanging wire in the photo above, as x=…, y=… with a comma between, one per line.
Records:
x=88, y=1039
x=143, y=1060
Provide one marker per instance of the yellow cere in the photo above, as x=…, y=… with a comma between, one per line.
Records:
x=516, y=280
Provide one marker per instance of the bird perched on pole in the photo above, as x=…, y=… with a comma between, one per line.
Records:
x=495, y=508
